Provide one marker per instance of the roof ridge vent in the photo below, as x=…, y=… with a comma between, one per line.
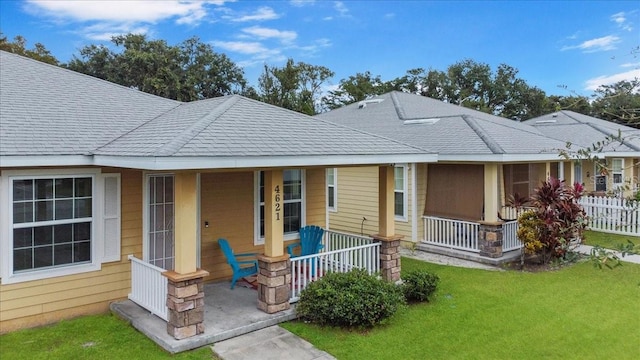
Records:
x=363, y=103
x=546, y=121
x=429, y=121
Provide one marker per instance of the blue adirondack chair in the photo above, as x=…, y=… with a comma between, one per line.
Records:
x=241, y=268
x=310, y=241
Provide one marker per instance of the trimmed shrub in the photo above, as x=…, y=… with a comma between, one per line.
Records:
x=418, y=285
x=352, y=299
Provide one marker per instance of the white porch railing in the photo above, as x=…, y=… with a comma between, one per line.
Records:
x=451, y=233
x=306, y=269
x=512, y=213
x=149, y=287
x=335, y=240
x=612, y=215
x=510, y=239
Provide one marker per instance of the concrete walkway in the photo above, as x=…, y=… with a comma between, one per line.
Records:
x=586, y=249
x=272, y=343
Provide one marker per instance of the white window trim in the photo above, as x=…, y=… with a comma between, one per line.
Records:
x=405, y=185
x=259, y=240
x=145, y=211
x=333, y=208
x=6, y=225
x=577, y=173
x=621, y=172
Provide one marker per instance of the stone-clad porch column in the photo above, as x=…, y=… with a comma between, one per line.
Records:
x=490, y=232
x=185, y=295
x=390, y=242
x=274, y=276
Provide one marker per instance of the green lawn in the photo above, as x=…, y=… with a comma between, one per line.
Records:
x=89, y=337
x=608, y=241
x=578, y=312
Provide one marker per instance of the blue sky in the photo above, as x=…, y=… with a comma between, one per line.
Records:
x=578, y=44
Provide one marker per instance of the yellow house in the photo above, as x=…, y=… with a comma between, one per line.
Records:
x=457, y=206
x=101, y=184
x=620, y=157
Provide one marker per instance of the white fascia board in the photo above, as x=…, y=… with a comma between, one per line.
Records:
x=613, y=154
x=187, y=163
x=505, y=158
x=45, y=160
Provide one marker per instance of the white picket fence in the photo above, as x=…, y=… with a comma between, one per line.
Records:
x=343, y=258
x=149, y=287
x=612, y=215
x=451, y=233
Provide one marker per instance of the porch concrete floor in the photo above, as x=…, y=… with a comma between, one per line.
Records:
x=228, y=313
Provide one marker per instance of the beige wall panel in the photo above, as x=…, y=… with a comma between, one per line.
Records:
x=227, y=204
x=357, y=198
x=422, y=177
x=48, y=318
x=316, y=197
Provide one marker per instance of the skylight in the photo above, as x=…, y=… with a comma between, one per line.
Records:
x=430, y=121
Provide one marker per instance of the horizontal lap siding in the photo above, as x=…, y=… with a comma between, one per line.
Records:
x=357, y=198
x=227, y=204
x=316, y=197
x=39, y=302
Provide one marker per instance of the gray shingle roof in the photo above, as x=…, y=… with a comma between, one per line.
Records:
x=47, y=110
x=586, y=130
x=237, y=126
x=457, y=131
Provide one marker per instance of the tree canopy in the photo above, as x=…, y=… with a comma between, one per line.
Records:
x=295, y=86
x=188, y=71
x=18, y=46
x=192, y=70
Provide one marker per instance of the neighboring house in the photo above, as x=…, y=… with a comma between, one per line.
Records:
x=91, y=172
x=482, y=160
x=621, y=158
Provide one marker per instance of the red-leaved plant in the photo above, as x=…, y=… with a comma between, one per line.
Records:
x=562, y=219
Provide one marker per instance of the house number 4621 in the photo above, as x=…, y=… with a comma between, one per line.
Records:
x=277, y=202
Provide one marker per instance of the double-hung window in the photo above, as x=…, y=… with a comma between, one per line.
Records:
x=332, y=195
x=400, y=192
x=293, y=204
x=58, y=223
x=52, y=221
x=617, y=166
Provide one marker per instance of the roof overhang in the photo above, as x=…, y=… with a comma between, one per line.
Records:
x=45, y=160
x=246, y=162
x=192, y=162
x=500, y=158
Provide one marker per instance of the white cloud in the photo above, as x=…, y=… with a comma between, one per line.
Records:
x=621, y=20
x=341, y=8
x=267, y=33
x=104, y=31
x=301, y=3
x=150, y=11
x=243, y=47
x=263, y=13
x=599, y=44
x=593, y=84
x=628, y=65
x=389, y=15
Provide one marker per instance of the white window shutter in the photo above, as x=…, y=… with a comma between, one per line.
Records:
x=111, y=218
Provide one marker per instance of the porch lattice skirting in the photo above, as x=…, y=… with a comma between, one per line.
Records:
x=274, y=283
x=185, y=302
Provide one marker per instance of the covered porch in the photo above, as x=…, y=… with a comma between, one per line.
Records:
x=227, y=313
x=479, y=222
